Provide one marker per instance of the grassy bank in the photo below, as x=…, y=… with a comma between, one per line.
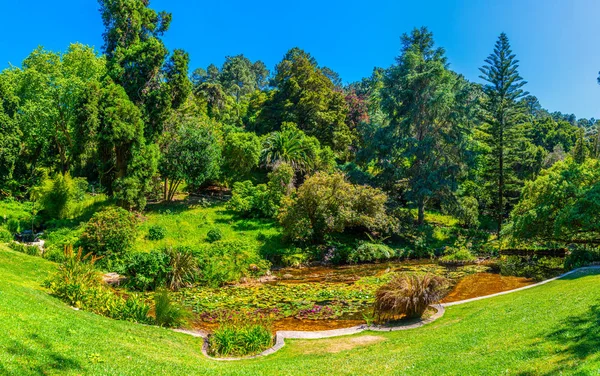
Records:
x=543, y=330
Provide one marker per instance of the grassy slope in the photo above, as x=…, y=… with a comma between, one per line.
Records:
x=538, y=331
x=189, y=224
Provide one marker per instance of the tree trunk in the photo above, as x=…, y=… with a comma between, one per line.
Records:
x=501, y=179
x=421, y=213
x=165, y=189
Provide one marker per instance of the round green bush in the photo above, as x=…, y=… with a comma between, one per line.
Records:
x=156, y=232
x=13, y=225
x=368, y=252
x=110, y=232
x=214, y=235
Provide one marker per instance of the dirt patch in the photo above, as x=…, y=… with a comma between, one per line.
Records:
x=336, y=345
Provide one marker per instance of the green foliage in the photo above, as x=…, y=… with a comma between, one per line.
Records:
x=537, y=268
x=262, y=200
x=427, y=109
x=190, y=153
x=13, y=226
x=170, y=267
x=156, y=232
x=408, y=295
x=457, y=255
x=59, y=195
x=305, y=96
x=501, y=116
x=582, y=256
x=5, y=235
x=147, y=270
x=166, y=312
x=248, y=335
x=369, y=252
x=561, y=205
x=241, y=153
x=327, y=203
x=214, y=235
x=30, y=250
x=79, y=284
x=227, y=261
x=110, y=232
x=290, y=146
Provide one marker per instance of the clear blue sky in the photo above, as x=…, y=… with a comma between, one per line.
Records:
x=557, y=41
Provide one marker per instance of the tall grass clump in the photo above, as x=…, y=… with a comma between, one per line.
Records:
x=241, y=334
x=78, y=283
x=167, y=313
x=408, y=295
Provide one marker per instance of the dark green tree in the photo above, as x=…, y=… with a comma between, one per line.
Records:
x=502, y=114
x=421, y=100
x=305, y=96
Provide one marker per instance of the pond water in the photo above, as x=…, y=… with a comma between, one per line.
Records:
x=324, y=298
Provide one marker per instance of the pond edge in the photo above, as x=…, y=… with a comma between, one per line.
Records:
x=281, y=335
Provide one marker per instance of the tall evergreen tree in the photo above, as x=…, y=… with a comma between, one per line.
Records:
x=421, y=99
x=502, y=114
x=580, y=150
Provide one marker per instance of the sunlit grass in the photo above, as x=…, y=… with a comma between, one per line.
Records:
x=541, y=331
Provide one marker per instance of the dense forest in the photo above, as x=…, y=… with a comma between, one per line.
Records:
x=296, y=144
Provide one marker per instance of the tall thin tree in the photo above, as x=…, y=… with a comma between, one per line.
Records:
x=502, y=114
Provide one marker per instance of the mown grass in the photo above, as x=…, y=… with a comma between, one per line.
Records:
x=541, y=331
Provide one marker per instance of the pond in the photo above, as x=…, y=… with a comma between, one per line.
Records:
x=324, y=298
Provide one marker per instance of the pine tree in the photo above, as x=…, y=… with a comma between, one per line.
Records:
x=501, y=115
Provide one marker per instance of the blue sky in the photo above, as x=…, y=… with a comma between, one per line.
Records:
x=557, y=41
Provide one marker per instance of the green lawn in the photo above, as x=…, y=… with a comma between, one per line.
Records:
x=543, y=330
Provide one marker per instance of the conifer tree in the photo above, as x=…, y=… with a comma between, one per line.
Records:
x=502, y=114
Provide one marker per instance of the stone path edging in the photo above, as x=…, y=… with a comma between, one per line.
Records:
x=281, y=335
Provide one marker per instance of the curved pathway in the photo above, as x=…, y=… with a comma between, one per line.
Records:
x=281, y=335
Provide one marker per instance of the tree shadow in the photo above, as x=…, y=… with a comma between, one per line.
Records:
x=40, y=356
x=579, y=337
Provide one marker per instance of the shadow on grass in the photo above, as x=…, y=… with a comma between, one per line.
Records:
x=40, y=358
x=578, y=337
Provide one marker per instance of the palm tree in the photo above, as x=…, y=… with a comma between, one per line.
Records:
x=290, y=145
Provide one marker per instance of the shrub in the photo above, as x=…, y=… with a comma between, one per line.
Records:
x=157, y=232
x=183, y=267
x=169, y=267
x=262, y=200
x=327, y=203
x=408, y=295
x=167, y=313
x=537, y=268
x=54, y=254
x=134, y=309
x=110, y=232
x=214, y=235
x=13, y=226
x=241, y=153
x=240, y=336
x=75, y=277
x=147, y=270
x=457, y=255
x=5, y=235
x=582, y=256
x=79, y=284
x=368, y=252
x=468, y=212
x=30, y=250
x=58, y=195
x=227, y=261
